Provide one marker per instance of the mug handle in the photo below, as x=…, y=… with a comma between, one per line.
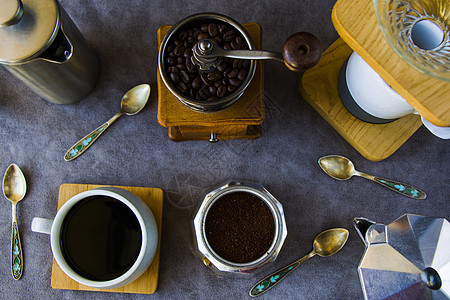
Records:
x=41, y=225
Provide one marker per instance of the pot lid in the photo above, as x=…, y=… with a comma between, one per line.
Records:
x=407, y=259
x=27, y=27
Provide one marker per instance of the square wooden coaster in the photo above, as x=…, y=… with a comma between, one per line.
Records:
x=147, y=283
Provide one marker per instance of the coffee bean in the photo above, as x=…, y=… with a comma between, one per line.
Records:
x=214, y=75
x=218, y=40
x=172, y=69
x=197, y=83
x=179, y=50
x=175, y=77
x=233, y=73
x=239, y=40
x=187, y=53
x=236, y=82
x=229, y=35
x=222, y=28
x=171, y=61
x=233, y=44
x=190, y=66
x=192, y=93
x=246, y=63
x=232, y=88
x=196, y=33
x=177, y=42
x=212, y=29
x=242, y=74
x=221, y=91
x=205, y=79
x=197, y=96
x=204, y=93
x=217, y=83
x=184, y=76
x=204, y=27
x=180, y=66
x=183, y=87
x=222, y=67
x=227, y=71
x=202, y=36
x=180, y=60
x=237, y=63
x=182, y=35
x=212, y=90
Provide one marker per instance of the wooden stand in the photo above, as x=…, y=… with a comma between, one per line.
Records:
x=319, y=86
x=242, y=120
x=356, y=23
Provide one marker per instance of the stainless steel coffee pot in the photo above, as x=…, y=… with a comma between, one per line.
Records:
x=41, y=45
x=407, y=259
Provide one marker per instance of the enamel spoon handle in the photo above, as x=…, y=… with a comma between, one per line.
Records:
x=16, y=248
x=399, y=187
x=273, y=279
x=83, y=144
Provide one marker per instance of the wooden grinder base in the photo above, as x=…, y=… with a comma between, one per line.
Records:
x=242, y=120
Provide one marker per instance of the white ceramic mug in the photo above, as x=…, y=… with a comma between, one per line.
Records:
x=147, y=224
x=368, y=97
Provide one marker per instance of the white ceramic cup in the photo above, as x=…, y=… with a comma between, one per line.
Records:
x=148, y=229
x=374, y=96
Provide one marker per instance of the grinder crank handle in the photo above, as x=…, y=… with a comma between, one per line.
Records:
x=301, y=51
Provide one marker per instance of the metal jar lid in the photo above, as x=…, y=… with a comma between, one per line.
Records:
x=27, y=28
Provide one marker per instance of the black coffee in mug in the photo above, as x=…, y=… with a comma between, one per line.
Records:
x=100, y=238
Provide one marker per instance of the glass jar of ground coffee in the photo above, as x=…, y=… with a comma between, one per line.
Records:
x=239, y=227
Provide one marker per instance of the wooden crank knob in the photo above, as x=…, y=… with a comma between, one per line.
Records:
x=302, y=51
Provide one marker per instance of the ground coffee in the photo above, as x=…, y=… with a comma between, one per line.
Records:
x=240, y=227
x=186, y=76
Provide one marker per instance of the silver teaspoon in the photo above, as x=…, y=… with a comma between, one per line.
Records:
x=341, y=168
x=14, y=189
x=132, y=103
x=325, y=244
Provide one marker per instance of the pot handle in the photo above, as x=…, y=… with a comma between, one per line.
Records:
x=302, y=51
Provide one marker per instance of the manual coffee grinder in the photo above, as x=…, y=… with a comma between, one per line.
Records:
x=238, y=115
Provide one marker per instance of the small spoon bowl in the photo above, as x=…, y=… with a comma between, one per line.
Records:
x=330, y=241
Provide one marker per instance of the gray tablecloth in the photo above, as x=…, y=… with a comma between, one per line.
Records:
x=136, y=151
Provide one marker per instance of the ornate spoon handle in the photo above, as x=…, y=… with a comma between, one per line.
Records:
x=402, y=188
x=273, y=279
x=83, y=144
x=16, y=249
x=399, y=187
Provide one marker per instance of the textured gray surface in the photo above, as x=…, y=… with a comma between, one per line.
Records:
x=136, y=151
